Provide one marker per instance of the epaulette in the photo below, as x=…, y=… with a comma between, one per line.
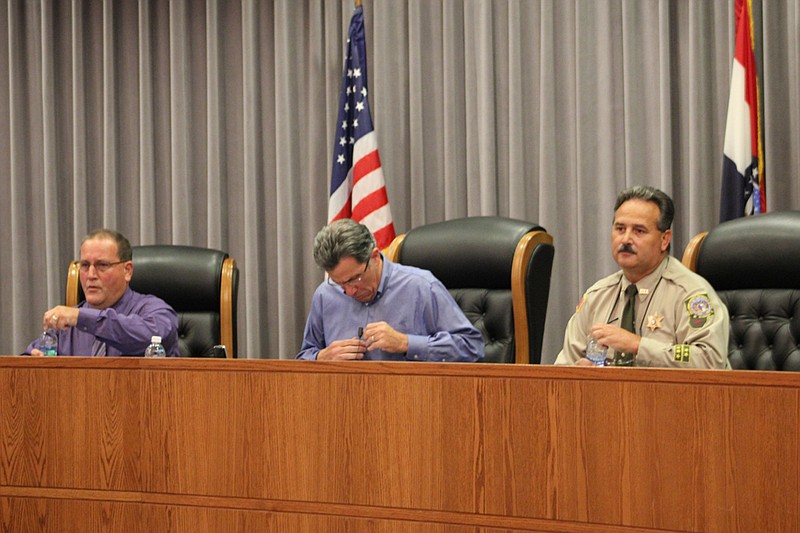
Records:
x=608, y=281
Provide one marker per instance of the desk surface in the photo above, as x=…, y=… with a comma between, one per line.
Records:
x=270, y=445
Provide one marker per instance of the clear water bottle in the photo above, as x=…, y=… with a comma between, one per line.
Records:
x=48, y=342
x=155, y=349
x=596, y=352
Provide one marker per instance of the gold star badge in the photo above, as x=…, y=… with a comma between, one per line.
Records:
x=655, y=321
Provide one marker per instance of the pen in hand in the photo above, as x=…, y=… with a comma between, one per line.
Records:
x=360, y=332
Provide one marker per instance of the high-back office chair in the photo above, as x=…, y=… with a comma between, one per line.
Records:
x=498, y=270
x=199, y=283
x=754, y=265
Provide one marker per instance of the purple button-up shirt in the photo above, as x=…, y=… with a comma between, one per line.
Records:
x=126, y=328
x=410, y=300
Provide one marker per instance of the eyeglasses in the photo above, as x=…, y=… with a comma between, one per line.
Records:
x=99, y=266
x=350, y=282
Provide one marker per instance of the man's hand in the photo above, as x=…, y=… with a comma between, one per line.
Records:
x=37, y=352
x=616, y=338
x=60, y=317
x=381, y=336
x=343, y=350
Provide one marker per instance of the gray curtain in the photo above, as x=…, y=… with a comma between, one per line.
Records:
x=210, y=123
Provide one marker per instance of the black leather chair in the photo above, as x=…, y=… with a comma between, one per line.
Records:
x=754, y=265
x=498, y=269
x=201, y=284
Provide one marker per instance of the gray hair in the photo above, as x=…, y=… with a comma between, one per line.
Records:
x=650, y=194
x=340, y=239
x=124, y=252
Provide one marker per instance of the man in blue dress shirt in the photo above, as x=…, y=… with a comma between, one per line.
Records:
x=371, y=308
x=113, y=320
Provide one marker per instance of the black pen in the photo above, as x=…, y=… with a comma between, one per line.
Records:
x=360, y=332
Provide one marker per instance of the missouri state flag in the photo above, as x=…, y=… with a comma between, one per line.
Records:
x=743, y=184
x=358, y=190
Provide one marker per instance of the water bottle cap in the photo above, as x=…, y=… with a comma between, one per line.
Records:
x=155, y=339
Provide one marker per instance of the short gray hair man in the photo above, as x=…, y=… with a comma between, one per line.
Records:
x=340, y=239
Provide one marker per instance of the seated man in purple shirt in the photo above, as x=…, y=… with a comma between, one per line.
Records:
x=371, y=308
x=113, y=320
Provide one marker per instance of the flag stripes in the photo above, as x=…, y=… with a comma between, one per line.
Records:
x=358, y=188
x=743, y=181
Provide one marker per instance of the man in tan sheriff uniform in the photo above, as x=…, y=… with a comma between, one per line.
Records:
x=678, y=319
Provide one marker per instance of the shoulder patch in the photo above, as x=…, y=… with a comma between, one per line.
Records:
x=698, y=307
x=580, y=304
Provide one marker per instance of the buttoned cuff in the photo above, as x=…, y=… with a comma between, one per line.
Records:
x=87, y=318
x=417, y=348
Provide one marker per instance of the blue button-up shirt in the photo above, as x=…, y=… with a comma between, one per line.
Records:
x=410, y=300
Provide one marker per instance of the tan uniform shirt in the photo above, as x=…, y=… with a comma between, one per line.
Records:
x=679, y=317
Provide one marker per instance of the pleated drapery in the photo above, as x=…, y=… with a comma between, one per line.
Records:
x=210, y=123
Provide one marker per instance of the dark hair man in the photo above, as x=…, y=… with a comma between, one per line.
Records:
x=654, y=311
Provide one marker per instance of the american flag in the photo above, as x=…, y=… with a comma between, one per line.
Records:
x=358, y=190
x=743, y=185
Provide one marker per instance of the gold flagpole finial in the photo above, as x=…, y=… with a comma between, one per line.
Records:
x=356, y=3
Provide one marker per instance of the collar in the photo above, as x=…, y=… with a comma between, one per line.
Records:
x=647, y=284
x=127, y=295
x=386, y=273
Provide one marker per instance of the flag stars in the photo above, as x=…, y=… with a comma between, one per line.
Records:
x=355, y=112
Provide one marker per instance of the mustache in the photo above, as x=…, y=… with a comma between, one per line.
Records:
x=626, y=248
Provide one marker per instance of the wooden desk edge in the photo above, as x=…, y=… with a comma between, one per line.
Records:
x=757, y=378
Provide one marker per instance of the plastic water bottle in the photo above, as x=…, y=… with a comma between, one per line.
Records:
x=596, y=352
x=48, y=342
x=155, y=349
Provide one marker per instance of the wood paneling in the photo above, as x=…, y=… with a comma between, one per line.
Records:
x=241, y=445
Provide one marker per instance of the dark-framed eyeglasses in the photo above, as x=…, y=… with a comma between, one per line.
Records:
x=99, y=266
x=350, y=282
